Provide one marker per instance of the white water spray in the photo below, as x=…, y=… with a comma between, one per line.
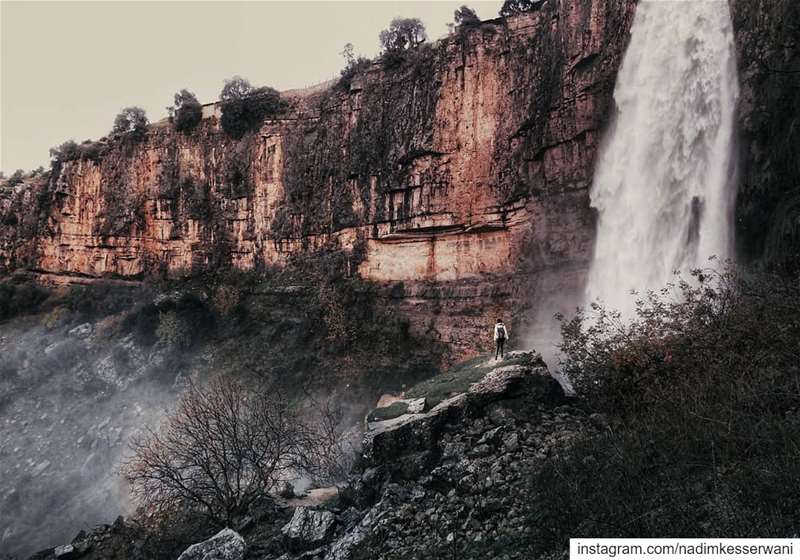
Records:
x=662, y=185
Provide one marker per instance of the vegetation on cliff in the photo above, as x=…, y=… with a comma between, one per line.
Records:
x=245, y=107
x=701, y=407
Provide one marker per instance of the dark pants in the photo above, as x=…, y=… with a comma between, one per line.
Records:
x=499, y=343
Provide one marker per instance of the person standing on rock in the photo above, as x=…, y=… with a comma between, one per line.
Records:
x=500, y=336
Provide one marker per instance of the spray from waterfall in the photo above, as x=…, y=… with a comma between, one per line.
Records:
x=662, y=185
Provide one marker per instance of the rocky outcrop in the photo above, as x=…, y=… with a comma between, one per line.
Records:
x=308, y=528
x=462, y=173
x=225, y=545
x=451, y=480
x=459, y=490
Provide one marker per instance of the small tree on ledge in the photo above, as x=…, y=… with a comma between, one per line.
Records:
x=130, y=120
x=513, y=7
x=186, y=112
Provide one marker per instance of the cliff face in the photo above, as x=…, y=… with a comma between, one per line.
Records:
x=768, y=205
x=463, y=173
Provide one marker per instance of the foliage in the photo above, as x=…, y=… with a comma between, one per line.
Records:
x=100, y=299
x=466, y=17
x=70, y=151
x=55, y=318
x=16, y=178
x=354, y=65
x=20, y=299
x=172, y=331
x=403, y=33
x=186, y=111
x=702, y=390
x=245, y=107
x=130, y=120
x=513, y=7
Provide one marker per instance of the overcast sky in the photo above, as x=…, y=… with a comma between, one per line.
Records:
x=68, y=67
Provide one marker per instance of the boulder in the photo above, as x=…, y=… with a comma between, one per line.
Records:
x=308, y=528
x=64, y=552
x=225, y=545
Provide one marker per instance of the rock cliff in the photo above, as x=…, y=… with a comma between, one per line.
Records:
x=462, y=173
x=457, y=178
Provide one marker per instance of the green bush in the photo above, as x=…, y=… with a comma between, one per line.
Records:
x=354, y=65
x=16, y=178
x=131, y=120
x=20, y=299
x=187, y=112
x=71, y=151
x=514, y=7
x=100, y=299
x=245, y=107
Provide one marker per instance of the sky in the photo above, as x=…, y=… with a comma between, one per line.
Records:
x=67, y=68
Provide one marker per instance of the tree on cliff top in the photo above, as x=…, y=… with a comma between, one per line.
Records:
x=244, y=107
x=353, y=65
x=466, y=17
x=186, y=111
x=130, y=120
x=403, y=33
x=513, y=7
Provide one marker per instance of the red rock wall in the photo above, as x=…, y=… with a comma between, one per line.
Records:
x=463, y=174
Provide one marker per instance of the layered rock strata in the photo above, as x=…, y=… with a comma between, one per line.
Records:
x=462, y=173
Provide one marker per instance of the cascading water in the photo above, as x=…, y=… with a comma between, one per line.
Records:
x=662, y=185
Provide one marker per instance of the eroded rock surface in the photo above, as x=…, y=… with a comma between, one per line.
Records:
x=225, y=545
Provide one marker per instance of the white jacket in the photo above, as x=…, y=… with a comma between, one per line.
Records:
x=500, y=328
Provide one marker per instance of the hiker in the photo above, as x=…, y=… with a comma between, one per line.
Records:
x=500, y=336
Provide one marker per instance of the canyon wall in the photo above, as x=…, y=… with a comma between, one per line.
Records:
x=458, y=179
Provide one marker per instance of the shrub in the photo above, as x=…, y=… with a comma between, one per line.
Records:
x=16, y=178
x=701, y=387
x=244, y=107
x=223, y=448
x=403, y=33
x=186, y=112
x=65, y=152
x=130, y=120
x=195, y=198
x=466, y=17
x=99, y=299
x=172, y=330
x=513, y=7
x=353, y=66
x=142, y=321
x=20, y=299
x=55, y=318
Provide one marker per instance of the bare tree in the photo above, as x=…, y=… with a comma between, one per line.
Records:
x=222, y=448
x=227, y=445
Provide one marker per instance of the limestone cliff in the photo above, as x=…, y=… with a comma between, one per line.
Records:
x=463, y=173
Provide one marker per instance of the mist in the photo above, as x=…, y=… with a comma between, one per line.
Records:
x=71, y=399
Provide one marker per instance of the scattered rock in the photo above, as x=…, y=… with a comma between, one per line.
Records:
x=308, y=528
x=64, y=552
x=225, y=545
x=81, y=331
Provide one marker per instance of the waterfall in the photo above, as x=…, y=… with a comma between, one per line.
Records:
x=662, y=184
